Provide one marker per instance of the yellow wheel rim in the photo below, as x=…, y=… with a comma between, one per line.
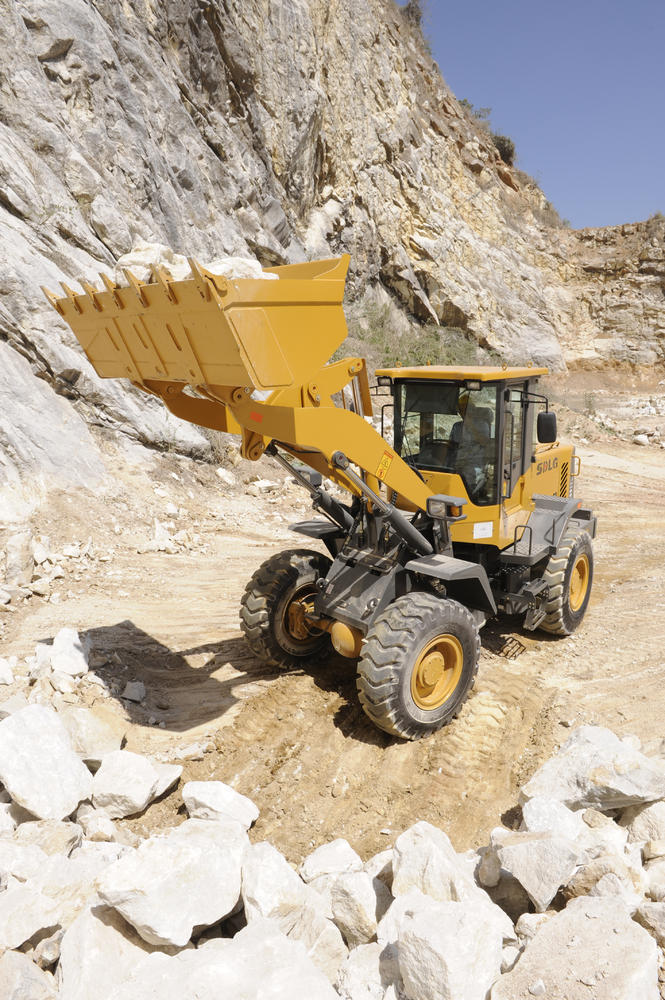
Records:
x=579, y=582
x=437, y=671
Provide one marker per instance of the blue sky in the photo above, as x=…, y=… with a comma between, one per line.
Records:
x=578, y=86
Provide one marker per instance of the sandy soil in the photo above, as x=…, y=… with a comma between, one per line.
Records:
x=298, y=743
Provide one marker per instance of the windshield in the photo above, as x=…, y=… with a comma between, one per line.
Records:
x=445, y=427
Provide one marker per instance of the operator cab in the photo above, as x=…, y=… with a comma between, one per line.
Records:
x=470, y=422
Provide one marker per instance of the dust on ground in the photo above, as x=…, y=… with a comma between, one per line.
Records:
x=298, y=743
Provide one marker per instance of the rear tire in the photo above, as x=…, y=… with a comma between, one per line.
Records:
x=569, y=575
x=264, y=617
x=418, y=664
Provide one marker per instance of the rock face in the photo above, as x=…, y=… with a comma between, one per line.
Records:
x=214, y=132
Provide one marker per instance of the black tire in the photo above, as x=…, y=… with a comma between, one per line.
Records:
x=263, y=609
x=391, y=686
x=569, y=576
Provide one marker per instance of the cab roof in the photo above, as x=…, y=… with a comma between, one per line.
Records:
x=462, y=374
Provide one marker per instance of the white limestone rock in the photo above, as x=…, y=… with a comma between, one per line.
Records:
x=96, y=824
x=322, y=939
x=38, y=767
x=655, y=880
x=23, y=912
x=595, y=768
x=449, y=950
x=272, y=889
x=7, y=817
x=92, y=738
x=529, y=924
x=215, y=800
x=330, y=859
x=381, y=866
x=645, y=822
x=424, y=858
x=358, y=903
x=97, y=954
x=69, y=653
x=587, y=876
x=51, y=835
x=590, y=949
x=19, y=860
x=6, y=672
x=545, y=815
x=270, y=886
x=21, y=979
x=126, y=782
x=186, y=878
x=541, y=862
x=259, y=963
x=361, y=976
x=600, y=835
x=651, y=916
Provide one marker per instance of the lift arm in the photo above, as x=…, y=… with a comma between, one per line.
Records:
x=246, y=356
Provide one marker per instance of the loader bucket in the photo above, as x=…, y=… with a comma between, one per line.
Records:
x=209, y=330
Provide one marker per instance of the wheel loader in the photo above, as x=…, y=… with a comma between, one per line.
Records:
x=468, y=513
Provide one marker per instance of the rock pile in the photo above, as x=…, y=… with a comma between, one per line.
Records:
x=570, y=904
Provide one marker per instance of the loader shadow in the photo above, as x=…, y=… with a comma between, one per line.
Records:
x=177, y=694
x=183, y=696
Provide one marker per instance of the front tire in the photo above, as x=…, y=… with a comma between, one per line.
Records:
x=569, y=575
x=419, y=662
x=270, y=630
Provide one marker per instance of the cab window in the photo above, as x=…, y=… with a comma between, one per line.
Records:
x=446, y=427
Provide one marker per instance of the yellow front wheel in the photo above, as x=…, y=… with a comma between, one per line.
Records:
x=569, y=576
x=419, y=661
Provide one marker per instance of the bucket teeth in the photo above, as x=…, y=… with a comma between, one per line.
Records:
x=136, y=285
x=71, y=295
x=53, y=299
x=201, y=283
x=160, y=277
x=111, y=287
x=91, y=292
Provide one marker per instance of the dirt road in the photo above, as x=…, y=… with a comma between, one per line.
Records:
x=299, y=744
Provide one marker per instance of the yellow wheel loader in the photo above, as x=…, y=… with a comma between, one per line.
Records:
x=468, y=513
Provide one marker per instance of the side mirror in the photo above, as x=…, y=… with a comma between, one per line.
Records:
x=546, y=427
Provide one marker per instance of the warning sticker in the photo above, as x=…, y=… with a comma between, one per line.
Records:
x=484, y=529
x=384, y=465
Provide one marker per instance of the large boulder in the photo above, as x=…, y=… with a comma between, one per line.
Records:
x=23, y=912
x=595, y=768
x=126, y=782
x=272, y=889
x=358, y=903
x=541, y=862
x=645, y=822
x=333, y=858
x=21, y=979
x=448, y=950
x=259, y=963
x=174, y=882
x=590, y=949
x=38, y=766
x=92, y=737
x=97, y=954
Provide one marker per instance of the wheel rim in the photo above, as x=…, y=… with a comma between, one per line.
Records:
x=579, y=582
x=436, y=672
x=294, y=624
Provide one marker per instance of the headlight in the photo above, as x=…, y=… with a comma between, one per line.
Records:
x=449, y=508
